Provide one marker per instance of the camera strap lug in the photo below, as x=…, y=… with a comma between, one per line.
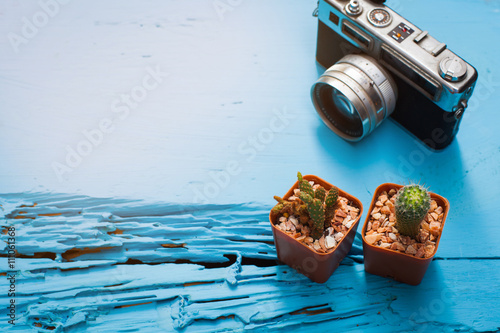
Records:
x=460, y=109
x=315, y=12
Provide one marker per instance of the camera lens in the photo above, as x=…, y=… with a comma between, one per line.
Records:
x=354, y=96
x=338, y=110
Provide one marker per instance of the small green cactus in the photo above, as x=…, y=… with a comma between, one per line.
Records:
x=320, y=208
x=412, y=204
x=278, y=208
x=290, y=208
x=317, y=214
x=332, y=196
x=330, y=203
x=306, y=198
x=316, y=208
x=320, y=193
x=304, y=185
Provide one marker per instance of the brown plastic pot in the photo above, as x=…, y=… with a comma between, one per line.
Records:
x=390, y=263
x=316, y=266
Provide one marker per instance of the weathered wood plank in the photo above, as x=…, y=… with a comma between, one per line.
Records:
x=89, y=276
x=190, y=296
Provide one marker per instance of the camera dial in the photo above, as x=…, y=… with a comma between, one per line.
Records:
x=379, y=17
x=353, y=8
x=452, y=69
x=354, y=96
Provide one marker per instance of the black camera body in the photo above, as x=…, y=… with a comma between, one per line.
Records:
x=433, y=84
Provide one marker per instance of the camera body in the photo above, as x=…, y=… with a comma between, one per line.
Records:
x=433, y=83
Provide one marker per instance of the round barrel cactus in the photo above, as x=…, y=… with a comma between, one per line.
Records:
x=412, y=204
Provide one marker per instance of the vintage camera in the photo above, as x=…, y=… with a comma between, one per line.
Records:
x=380, y=64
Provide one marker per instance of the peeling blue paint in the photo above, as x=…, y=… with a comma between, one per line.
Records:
x=202, y=283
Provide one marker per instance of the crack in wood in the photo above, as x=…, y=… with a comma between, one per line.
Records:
x=172, y=246
x=197, y=283
x=130, y=305
x=324, y=308
x=50, y=214
x=22, y=217
x=69, y=255
x=30, y=206
x=223, y=299
x=116, y=232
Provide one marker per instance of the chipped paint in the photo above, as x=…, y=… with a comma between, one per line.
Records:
x=223, y=275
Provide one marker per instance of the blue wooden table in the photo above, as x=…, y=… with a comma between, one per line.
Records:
x=142, y=143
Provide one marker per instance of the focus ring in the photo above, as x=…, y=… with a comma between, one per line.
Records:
x=354, y=96
x=388, y=95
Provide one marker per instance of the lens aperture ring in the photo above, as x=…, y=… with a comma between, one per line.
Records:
x=365, y=85
x=381, y=80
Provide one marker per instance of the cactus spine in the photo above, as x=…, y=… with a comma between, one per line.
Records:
x=412, y=204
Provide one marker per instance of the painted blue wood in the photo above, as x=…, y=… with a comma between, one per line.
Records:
x=189, y=172
x=113, y=265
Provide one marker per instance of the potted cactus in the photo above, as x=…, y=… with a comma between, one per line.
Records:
x=314, y=225
x=402, y=231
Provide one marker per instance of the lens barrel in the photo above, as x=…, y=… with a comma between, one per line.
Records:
x=354, y=96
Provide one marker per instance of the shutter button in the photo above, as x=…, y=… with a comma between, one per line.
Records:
x=452, y=69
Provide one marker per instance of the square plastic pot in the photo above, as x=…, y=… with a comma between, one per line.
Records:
x=401, y=267
x=316, y=266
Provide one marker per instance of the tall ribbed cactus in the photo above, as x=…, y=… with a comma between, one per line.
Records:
x=412, y=204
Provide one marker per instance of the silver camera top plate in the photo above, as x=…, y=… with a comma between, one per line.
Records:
x=409, y=52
